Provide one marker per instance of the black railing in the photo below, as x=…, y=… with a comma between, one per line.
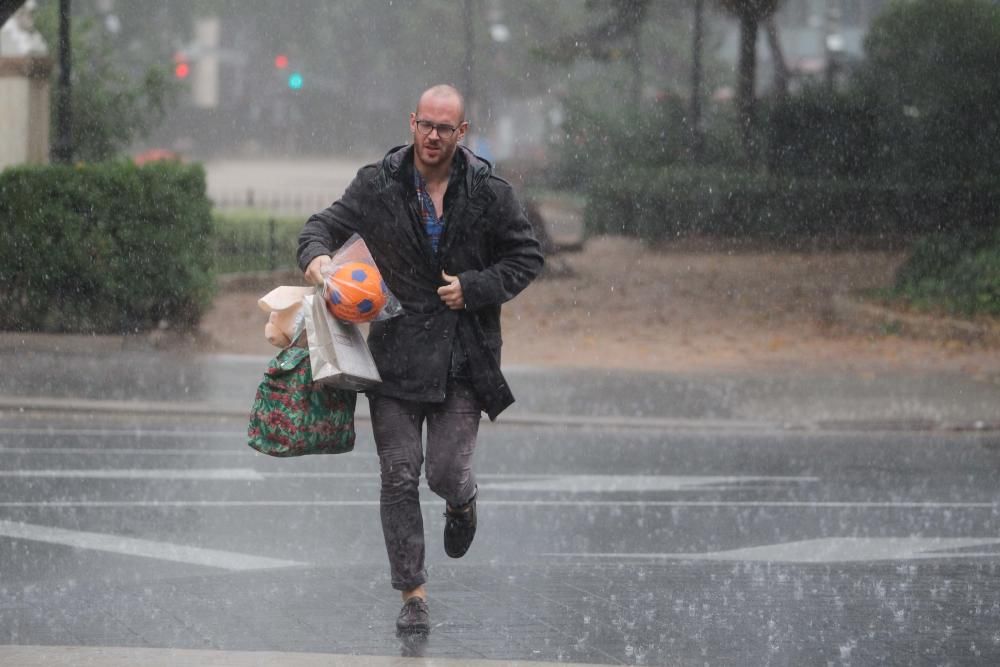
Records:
x=278, y=203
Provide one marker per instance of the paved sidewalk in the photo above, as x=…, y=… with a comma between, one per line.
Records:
x=80, y=373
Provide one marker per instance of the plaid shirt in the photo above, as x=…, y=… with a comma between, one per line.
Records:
x=433, y=225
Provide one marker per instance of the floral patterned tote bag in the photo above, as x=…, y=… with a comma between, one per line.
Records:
x=292, y=416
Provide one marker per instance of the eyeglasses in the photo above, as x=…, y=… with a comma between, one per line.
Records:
x=444, y=131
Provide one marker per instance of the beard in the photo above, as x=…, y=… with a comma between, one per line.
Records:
x=433, y=153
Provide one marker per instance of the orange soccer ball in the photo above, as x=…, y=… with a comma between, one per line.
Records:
x=355, y=292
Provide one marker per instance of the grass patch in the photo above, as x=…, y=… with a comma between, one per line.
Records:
x=254, y=241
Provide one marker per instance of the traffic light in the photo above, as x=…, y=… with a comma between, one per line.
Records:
x=182, y=68
x=292, y=77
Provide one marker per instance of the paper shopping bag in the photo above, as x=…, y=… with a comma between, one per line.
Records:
x=338, y=352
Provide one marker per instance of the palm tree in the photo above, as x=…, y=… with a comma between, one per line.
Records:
x=750, y=13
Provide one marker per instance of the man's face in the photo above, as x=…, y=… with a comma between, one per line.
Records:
x=431, y=149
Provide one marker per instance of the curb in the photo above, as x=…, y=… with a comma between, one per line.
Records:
x=32, y=404
x=870, y=317
x=154, y=341
x=44, y=405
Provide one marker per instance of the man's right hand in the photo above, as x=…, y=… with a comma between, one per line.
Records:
x=314, y=272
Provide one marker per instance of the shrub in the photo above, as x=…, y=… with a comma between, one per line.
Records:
x=821, y=134
x=659, y=204
x=932, y=74
x=117, y=97
x=958, y=273
x=104, y=248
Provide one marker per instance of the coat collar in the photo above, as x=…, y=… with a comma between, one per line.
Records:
x=397, y=165
x=393, y=181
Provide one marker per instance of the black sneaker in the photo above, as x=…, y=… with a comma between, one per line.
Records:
x=413, y=617
x=459, y=528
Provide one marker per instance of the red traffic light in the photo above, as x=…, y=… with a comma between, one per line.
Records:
x=281, y=61
x=181, y=66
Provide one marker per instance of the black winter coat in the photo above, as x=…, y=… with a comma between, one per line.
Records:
x=487, y=242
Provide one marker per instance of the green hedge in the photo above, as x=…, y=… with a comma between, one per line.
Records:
x=104, y=248
x=656, y=205
x=821, y=134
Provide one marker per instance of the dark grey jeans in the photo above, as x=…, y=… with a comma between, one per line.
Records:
x=452, y=427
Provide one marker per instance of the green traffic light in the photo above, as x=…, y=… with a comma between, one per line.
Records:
x=295, y=81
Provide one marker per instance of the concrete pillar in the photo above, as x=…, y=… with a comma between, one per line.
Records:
x=24, y=108
x=205, y=82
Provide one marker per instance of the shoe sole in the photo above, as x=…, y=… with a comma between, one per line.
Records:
x=451, y=555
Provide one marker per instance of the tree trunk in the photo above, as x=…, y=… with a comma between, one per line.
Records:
x=777, y=57
x=745, y=97
x=636, y=57
x=63, y=149
x=697, y=133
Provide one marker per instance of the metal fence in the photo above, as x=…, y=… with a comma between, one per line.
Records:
x=305, y=202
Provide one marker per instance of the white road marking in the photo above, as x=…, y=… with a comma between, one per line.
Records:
x=188, y=503
x=828, y=550
x=589, y=483
x=572, y=504
x=128, y=433
x=200, y=474
x=99, y=451
x=130, y=546
x=71, y=656
x=498, y=482
x=637, y=483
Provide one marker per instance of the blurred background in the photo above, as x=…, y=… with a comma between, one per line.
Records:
x=800, y=124
x=221, y=78
x=225, y=78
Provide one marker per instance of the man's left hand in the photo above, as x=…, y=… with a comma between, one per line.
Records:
x=451, y=293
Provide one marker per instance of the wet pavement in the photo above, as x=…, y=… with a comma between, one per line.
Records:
x=624, y=519
x=63, y=371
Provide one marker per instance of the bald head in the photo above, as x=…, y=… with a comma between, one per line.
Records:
x=437, y=126
x=442, y=93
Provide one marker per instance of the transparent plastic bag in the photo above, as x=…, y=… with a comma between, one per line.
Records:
x=353, y=289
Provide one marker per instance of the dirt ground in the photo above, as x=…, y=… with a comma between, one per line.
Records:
x=684, y=309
